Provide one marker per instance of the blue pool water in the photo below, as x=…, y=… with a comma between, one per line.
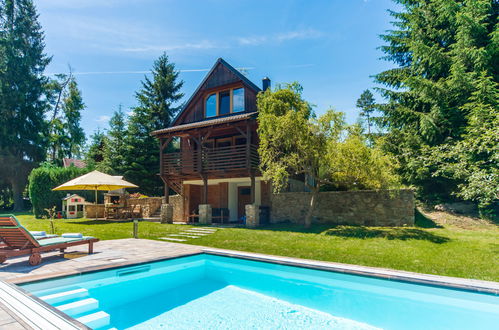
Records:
x=214, y=292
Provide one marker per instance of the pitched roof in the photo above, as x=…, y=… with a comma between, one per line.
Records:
x=67, y=162
x=221, y=61
x=204, y=123
x=71, y=196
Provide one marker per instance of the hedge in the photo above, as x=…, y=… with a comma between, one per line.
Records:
x=43, y=179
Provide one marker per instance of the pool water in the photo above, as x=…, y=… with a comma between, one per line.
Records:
x=215, y=292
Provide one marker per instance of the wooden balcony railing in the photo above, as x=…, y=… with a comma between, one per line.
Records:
x=207, y=161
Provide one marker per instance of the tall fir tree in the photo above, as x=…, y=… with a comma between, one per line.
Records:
x=366, y=104
x=115, y=148
x=22, y=105
x=66, y=136
x=158, y=104
x=441, y=49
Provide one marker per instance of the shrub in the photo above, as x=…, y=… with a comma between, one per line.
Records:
x=43, y=179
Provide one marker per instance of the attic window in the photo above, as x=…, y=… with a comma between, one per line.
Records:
x=224, y=102
x=211, y=105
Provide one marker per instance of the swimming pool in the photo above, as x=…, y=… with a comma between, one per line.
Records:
x=209, y=291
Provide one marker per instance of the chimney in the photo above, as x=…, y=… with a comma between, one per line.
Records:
x=265, y=83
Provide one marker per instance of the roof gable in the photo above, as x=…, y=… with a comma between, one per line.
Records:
x=222, y=73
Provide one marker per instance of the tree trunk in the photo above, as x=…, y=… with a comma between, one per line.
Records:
x=313, y=202
x=17, y=193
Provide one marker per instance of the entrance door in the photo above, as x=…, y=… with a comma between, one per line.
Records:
x=243, y=198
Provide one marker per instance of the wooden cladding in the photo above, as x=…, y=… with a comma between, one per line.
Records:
x=210, y=161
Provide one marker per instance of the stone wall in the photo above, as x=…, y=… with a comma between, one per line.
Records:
x=93, y=211
x=148, y=205
x=367, y=207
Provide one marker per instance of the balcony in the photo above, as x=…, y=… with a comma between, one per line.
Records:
x=217, y=162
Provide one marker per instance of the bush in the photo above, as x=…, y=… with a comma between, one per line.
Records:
x=43, y=179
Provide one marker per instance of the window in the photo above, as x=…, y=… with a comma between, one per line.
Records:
x=211, y=105
x=224, y=103
x=238, y=100
x=71, y=208
x=79, y=207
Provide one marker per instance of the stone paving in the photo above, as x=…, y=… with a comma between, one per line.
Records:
x=106, y=254
x=191, y=233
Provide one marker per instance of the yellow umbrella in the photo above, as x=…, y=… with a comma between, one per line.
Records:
x=96, y=180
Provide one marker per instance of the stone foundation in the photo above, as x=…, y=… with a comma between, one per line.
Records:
x=205, y=214
x=367, y=207
x=252, y=215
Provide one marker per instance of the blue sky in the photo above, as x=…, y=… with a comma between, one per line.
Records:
x=330, y=47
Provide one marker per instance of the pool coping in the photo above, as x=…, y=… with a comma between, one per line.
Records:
x=456, y=283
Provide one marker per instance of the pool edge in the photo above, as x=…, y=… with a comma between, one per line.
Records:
x=456, y=283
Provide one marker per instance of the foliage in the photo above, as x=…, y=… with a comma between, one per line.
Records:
x=66, y=137
x=114, y=152
x=325, y=150
x=22, y=105
x=94, y=155
x=46, y=177
x=366, y=104
x=157, y=108
x=443, y=49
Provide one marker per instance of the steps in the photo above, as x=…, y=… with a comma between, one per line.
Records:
x=78, y=304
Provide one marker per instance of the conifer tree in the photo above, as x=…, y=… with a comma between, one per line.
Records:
x=22, y=105
x=158, y=104
x=441, y=49
x=115, y=147
x=366, y=103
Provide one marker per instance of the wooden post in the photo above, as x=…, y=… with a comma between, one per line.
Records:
x=253, y=185
x=205, y=189
x=248, y=146
x=135, y=228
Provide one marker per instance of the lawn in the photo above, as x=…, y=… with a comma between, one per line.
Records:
x=441, y=244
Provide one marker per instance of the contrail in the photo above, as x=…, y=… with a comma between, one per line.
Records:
x=85, y=73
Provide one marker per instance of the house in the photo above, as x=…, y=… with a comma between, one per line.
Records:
x=209, y=153
x=67, y=162
x=73, y=206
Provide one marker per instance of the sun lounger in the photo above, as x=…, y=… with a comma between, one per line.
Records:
x=17, y=241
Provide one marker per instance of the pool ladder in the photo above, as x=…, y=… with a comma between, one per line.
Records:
x=77, y=303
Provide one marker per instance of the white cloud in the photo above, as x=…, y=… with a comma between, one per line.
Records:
x=280, y=37
x=103, y=119
x=204, y=44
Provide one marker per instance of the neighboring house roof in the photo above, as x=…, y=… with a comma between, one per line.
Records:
x=73, y=196
x=204, y=123
x=76, y=162
x=221, y=61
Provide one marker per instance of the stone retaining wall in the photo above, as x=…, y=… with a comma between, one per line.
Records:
x=366, y=207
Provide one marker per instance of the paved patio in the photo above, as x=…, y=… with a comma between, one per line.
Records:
x=106, y=254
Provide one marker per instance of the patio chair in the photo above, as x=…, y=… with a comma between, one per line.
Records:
x=17, y=241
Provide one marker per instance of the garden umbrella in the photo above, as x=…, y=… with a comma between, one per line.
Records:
x=96, y=180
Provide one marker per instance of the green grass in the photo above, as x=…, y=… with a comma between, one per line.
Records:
x=431, y=249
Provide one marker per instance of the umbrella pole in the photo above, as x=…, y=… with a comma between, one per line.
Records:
x=96, y=203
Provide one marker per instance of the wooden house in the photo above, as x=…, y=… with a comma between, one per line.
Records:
x=209, y=153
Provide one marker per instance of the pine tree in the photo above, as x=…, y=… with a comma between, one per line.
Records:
x=441, y=48
x=366, y=103
x=22, y=105
x=115, y=148
x=66, y=136
x=157, y=107
x=94, y=155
